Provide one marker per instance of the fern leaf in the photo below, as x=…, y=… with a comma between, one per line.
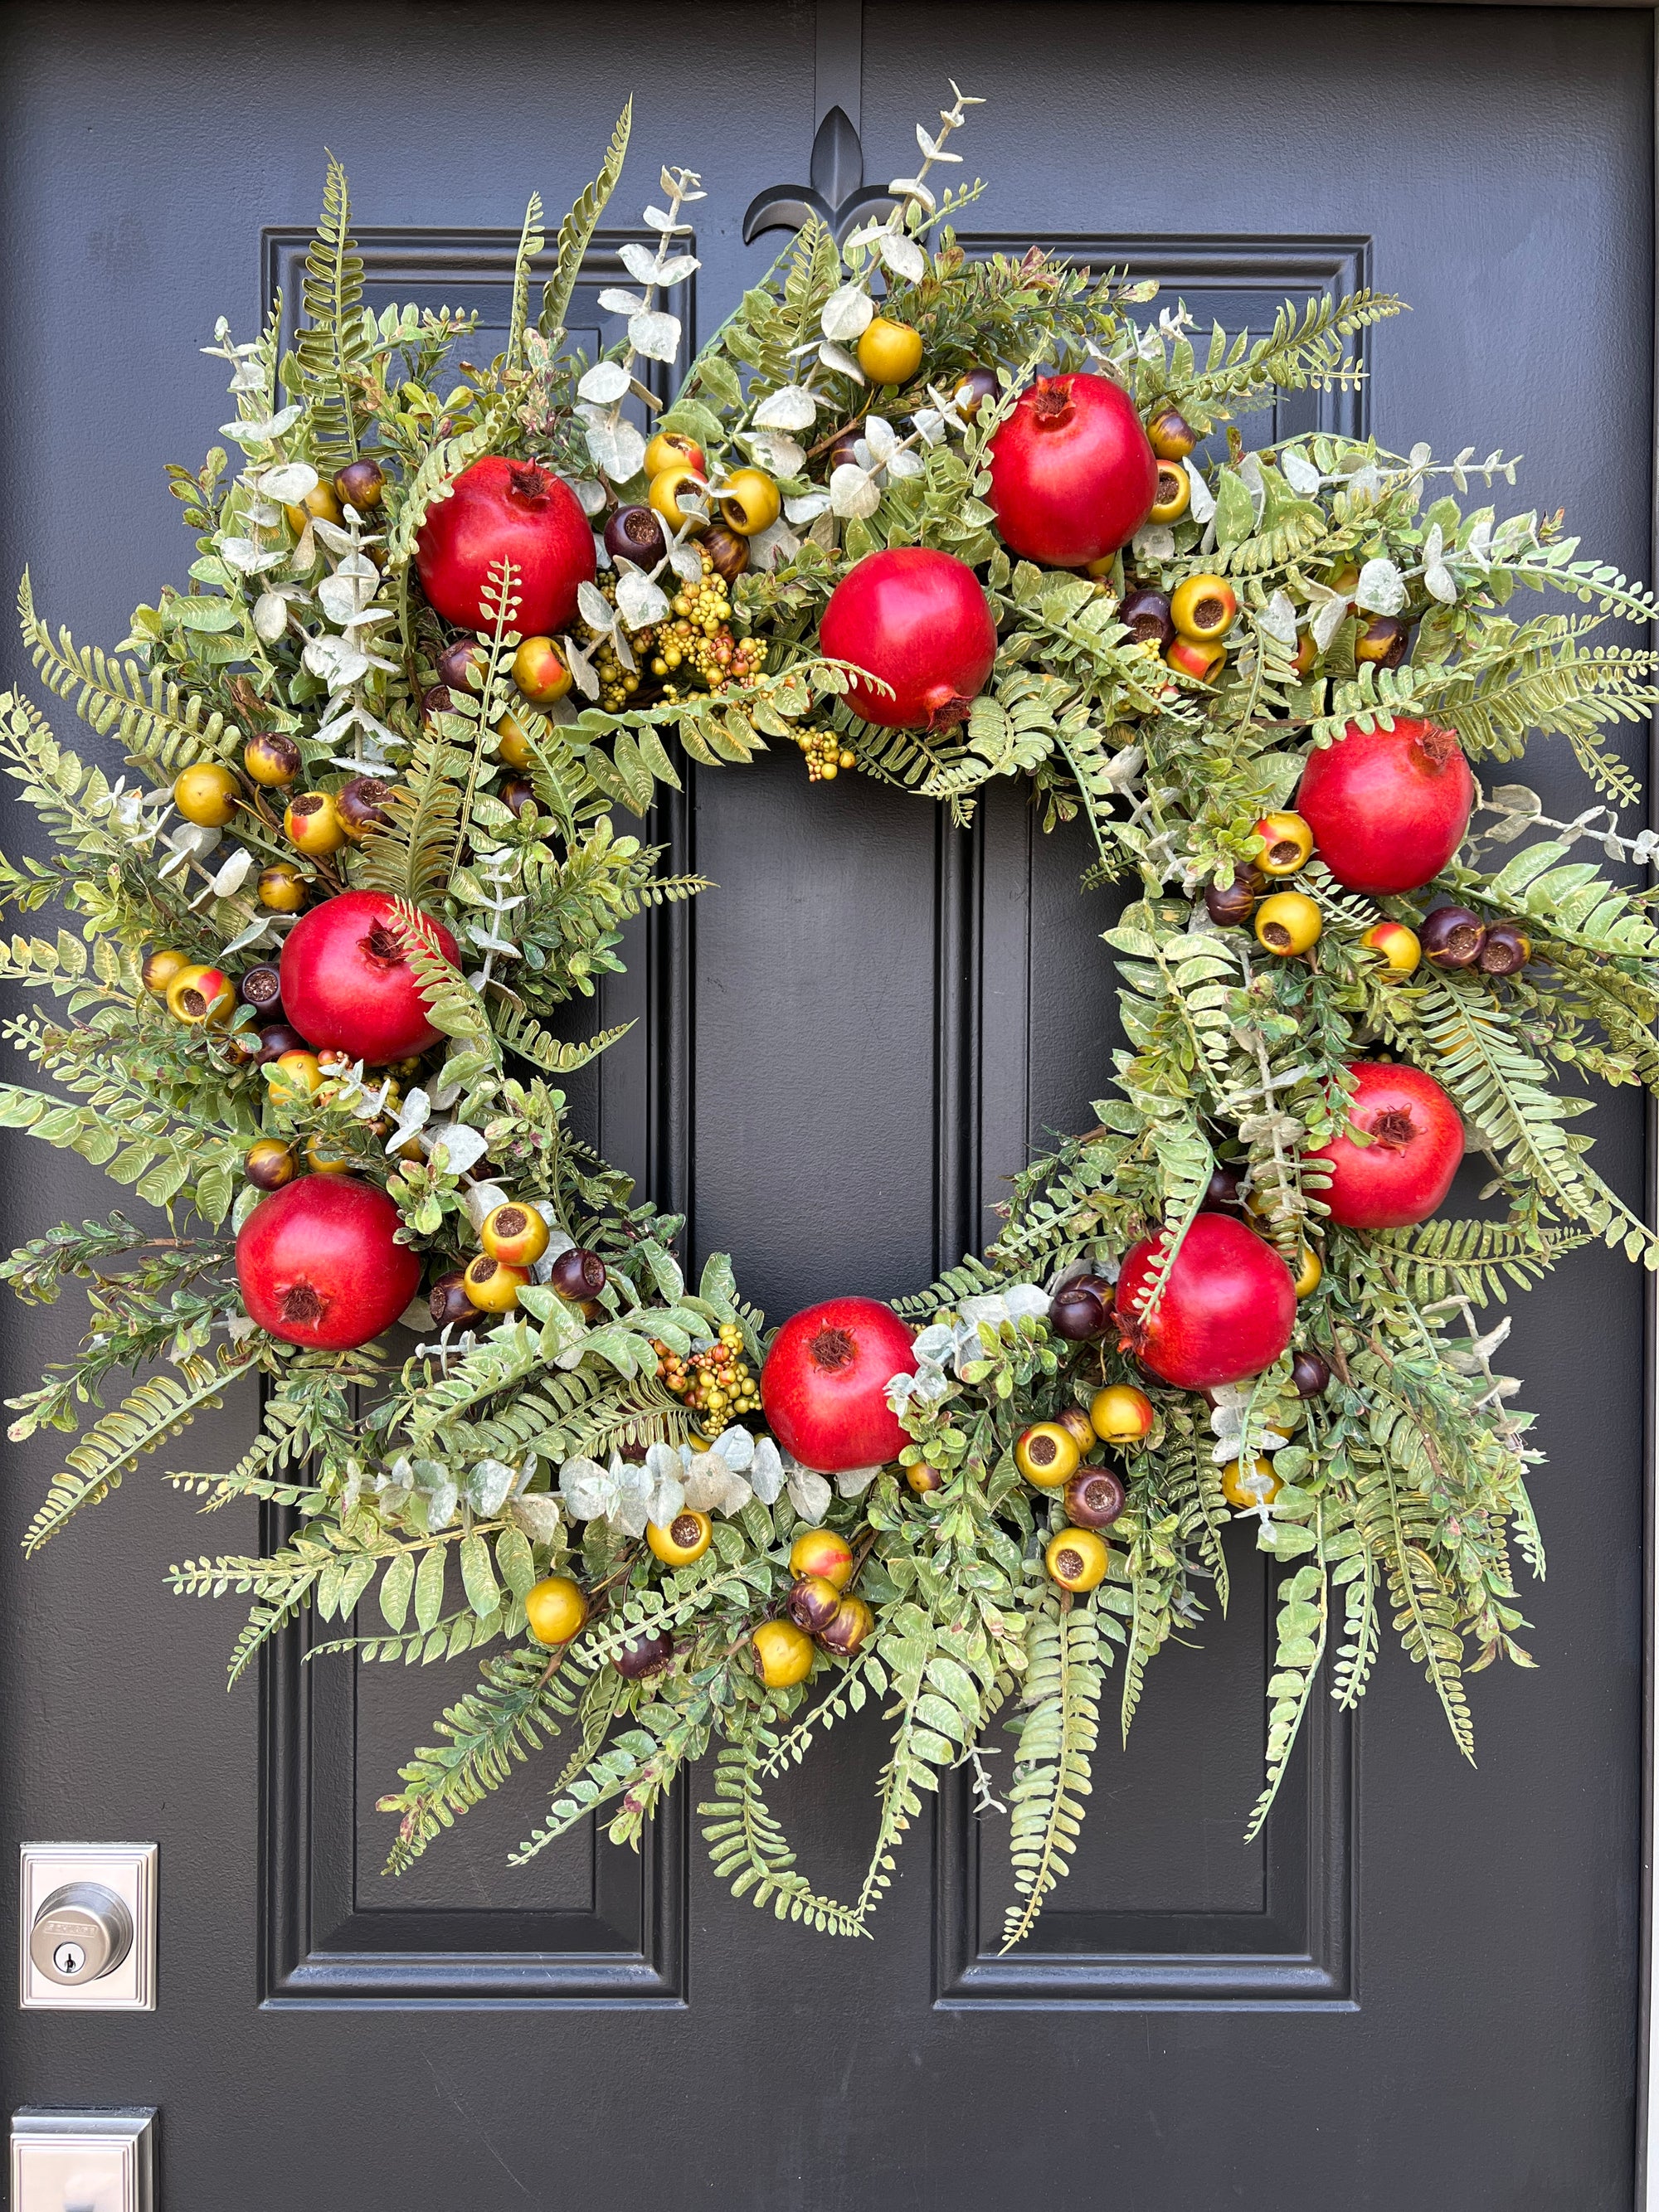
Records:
x=154, y=1413
x=1058, y=1727
x=577, y=229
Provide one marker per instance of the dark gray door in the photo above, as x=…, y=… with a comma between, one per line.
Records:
x=1419, y=1988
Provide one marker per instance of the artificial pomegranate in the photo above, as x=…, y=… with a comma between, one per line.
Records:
x=1227, y=1310
x=1417, y=1143
x=1072, y=472
x=348, y=982
x=319, y=1267
x=1387, y=808
x=502, y=510
x=919, y=622
x=823, y=1387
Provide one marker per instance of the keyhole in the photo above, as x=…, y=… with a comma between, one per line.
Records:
x=69, y=1957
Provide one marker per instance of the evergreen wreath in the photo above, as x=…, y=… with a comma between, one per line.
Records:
x=439, y=634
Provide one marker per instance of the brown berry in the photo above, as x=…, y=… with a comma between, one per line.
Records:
x=813, y=1603
x=1229, y=904
x=728, y=551
x=1506, y=951
x=647, y=1654
x=361, y=804
x=1077, y=1315
x=463, y=666
x=1310, y=1375
x=1452, y=936
x=579, y=1274
x=268, y=1165
x=361, y=484
x=1225, y=1193
x=1094, y=1498
x=448, y=1302
x=635, y=534
x=1145, y=615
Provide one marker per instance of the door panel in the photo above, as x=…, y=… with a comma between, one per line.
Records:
x=839, y=1055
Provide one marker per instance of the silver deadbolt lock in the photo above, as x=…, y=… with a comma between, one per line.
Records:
x=79, y=1933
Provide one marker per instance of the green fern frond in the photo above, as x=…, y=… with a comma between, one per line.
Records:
x=577, y=229
x=163, y=727
x=520, y=1700
x=747, y=1847
x=157, y=1412
x=1058, y=1727
x=330, y=347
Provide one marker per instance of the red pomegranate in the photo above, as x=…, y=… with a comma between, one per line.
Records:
x=502, y=510
x=1227, y=1310
x=1407, y=1169
x=318, y=1264
x=348, y=984
x=1072, y=472
x=1387, y=808
x=919, y=621
x=823, y=1387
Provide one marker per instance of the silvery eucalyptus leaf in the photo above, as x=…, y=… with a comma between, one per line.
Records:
x=1154, y=541
x=1381, y=589
x=1278, y=618
x=776, y=542
x=537, y=1515
x=605, y=382
x=686, y=563
x=269, y=615
x=1203, y=499
x=676, y=271
x=639, y=261
x=654, y=334
x=854, y=492
x=596, y=611
x=1299, y=472
x=792, y=407
x=489, y=1486
x=617, y=448
x=462, y=1147
x=847, y=313
x=809, y=1493
x=771, y=449
x=901, y=255
x=639, y=601
x=766, y=1472
x=905, y=463
x=880, y=437
x=807, y=507
x=616, y=302
x=832, y=356
x=229, y=879
x=289, y=480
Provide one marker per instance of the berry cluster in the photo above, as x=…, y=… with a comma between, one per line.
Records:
x=699, y=640
x=826, y=756
x=717, y=1381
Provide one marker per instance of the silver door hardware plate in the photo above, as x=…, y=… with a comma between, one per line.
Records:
x=88, y=1934
x=83, y=2161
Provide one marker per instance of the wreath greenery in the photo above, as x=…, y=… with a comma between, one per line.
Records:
x=526, y=1465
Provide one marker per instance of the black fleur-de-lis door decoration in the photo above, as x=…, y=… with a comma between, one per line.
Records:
x=837, y=195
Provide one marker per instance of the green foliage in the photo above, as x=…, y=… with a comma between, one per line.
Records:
x=1057, y=1728
x=428, y=1491
x=332, y=349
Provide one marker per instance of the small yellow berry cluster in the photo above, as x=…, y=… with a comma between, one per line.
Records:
x=826, y=756
x=698, y=645
x=717, y=1381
